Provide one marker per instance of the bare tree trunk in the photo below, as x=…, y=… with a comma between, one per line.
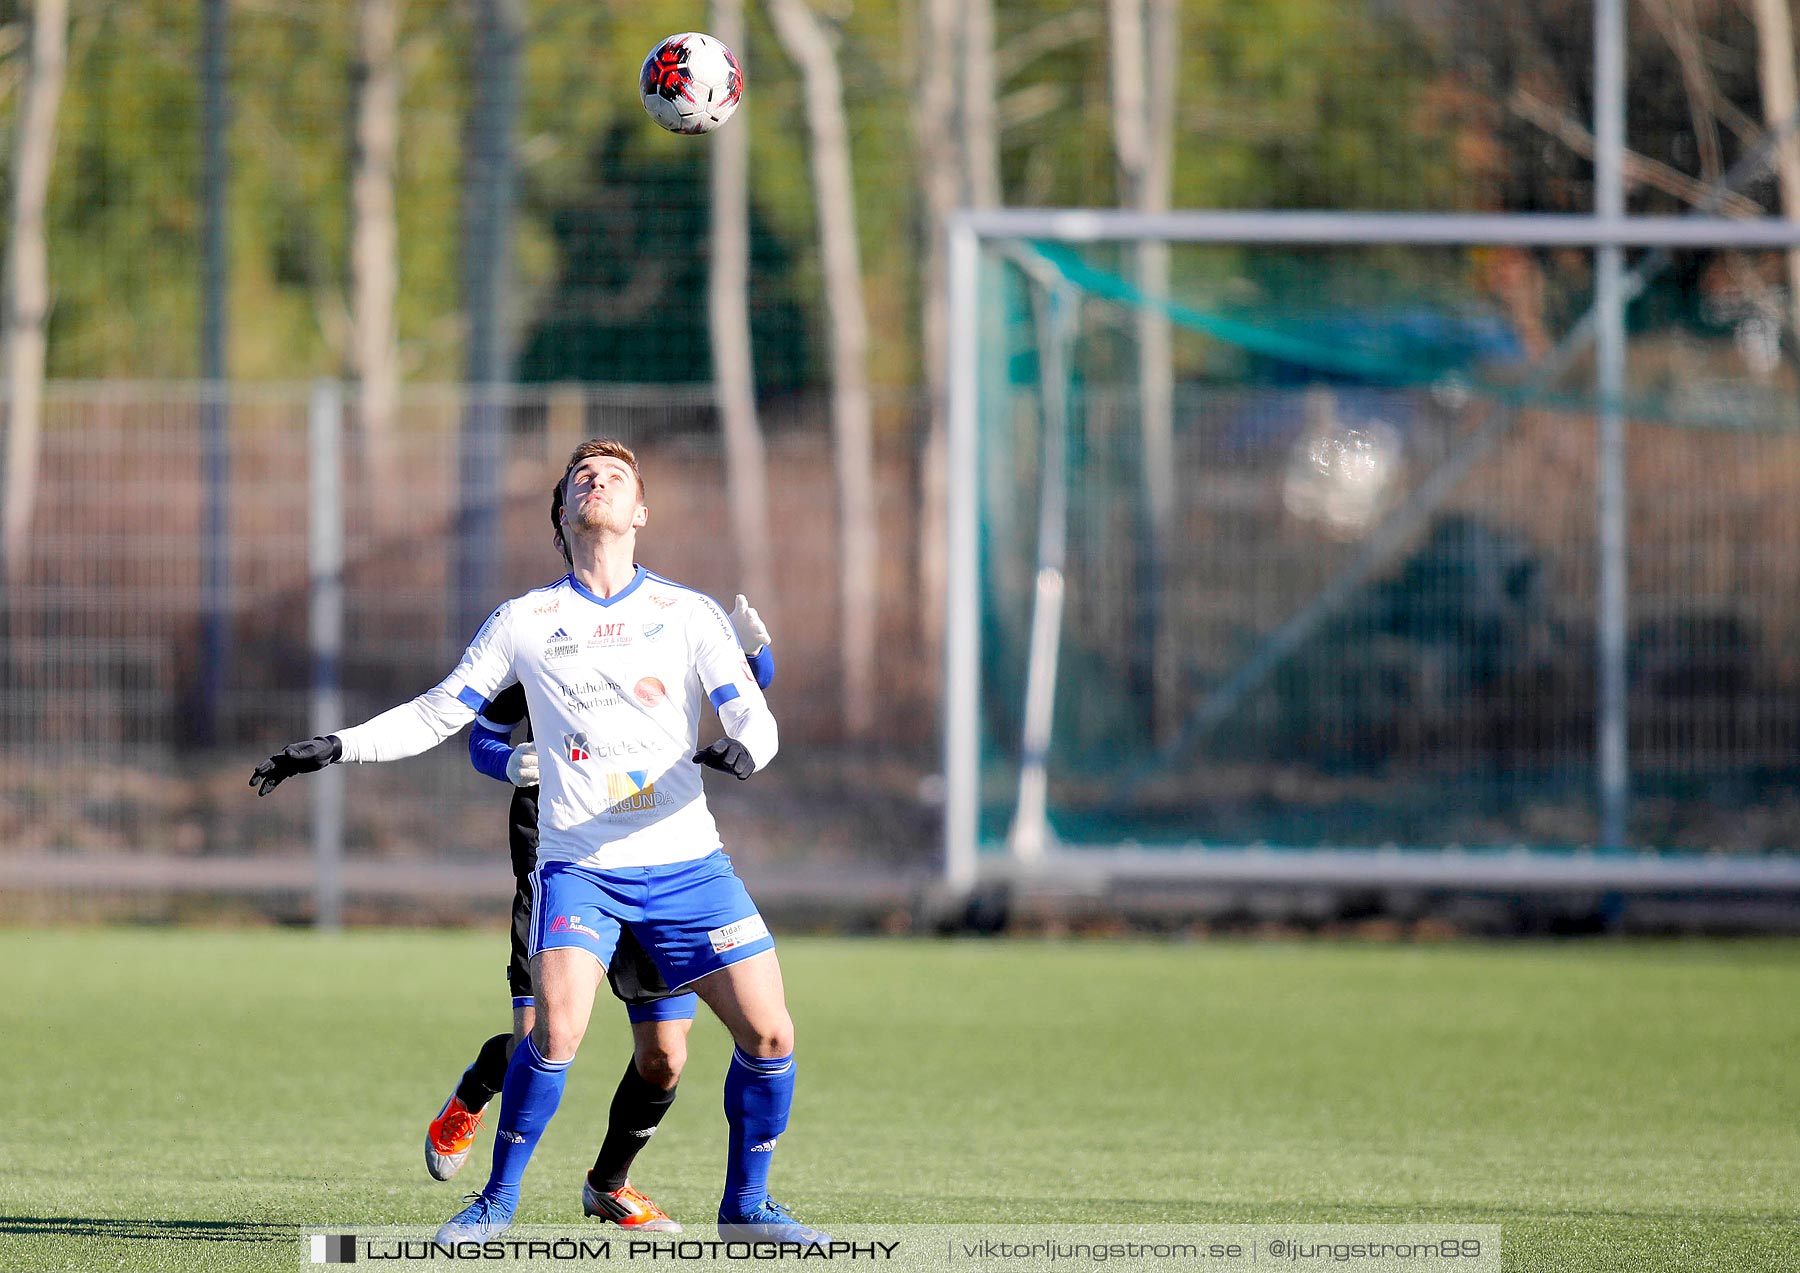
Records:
x=1143, y=49
x=981, y=117
x=1131, y=140
x=1156, y=362
x=27, y=290
x=939, y=158
x=728, y=314
x=815, y=52
x=1775, y=48
x=374, y=273
x=982, y=188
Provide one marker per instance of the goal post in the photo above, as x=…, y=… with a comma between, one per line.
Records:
x=1301, y=512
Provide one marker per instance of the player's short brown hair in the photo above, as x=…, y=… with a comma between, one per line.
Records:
x=610, y=447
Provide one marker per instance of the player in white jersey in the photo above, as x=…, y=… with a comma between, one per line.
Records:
x=660, y=1019
x=617, y=665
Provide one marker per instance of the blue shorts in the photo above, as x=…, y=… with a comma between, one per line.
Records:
x=668, y=1008
x=672, y=1008
x=692, y=918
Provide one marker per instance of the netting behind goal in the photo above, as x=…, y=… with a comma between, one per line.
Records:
x=1324, y=575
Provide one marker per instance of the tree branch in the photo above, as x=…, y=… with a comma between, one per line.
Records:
x=1639, y=169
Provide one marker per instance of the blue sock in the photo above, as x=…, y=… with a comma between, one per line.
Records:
x=759, y=1092
x=533, y=1090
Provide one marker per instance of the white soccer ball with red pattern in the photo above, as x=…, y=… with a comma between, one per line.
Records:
x=690, y=83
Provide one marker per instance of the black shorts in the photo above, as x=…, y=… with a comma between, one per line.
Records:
x=632, y=973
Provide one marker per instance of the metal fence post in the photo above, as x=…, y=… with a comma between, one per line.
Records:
x=1612, y=741
x=962, y=572
x=490, y=196
x=325, y=633
x=215, y=402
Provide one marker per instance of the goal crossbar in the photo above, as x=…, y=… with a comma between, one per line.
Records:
x=1523, y=229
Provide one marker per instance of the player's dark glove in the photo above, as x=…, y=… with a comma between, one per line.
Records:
x=296, y=758
x=729, y=756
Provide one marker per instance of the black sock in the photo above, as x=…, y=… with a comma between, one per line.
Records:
x=482, y=1081
x=637, y=1107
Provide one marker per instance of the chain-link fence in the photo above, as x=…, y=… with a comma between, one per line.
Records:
x=124, y=730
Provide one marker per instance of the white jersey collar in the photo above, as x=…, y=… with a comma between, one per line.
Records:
x=584, y=591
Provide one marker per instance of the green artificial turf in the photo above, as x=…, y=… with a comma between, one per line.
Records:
x=198, y=1099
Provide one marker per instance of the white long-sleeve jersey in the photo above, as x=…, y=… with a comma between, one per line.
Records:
x=616, y=688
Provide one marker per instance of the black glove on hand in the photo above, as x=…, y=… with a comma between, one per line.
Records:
x=729, y=756
x=296, y=758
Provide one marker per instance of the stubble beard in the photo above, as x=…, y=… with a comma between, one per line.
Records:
x=596, y=521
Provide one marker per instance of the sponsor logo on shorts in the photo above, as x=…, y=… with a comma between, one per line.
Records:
x=739, y=933
x=572, y=924
x=649, y=691
x=767, y=1147
x=576, y=747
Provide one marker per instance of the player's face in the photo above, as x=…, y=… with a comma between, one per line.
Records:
x=602, y=496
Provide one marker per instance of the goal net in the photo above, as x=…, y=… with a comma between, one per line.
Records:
x=1295, y=547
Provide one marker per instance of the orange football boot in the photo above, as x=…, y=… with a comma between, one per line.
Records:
x=626, y=1208
x=450, y=1138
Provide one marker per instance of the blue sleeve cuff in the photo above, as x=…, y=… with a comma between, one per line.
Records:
x=762, y=667
x=723, y=695
x=489, y=751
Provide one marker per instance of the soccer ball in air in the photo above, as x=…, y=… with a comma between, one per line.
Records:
x=690, y=83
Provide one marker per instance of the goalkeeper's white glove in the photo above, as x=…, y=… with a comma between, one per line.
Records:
x=522, y=765
x=752, y=634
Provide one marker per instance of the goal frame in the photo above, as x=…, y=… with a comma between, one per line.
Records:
x=966, y=867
